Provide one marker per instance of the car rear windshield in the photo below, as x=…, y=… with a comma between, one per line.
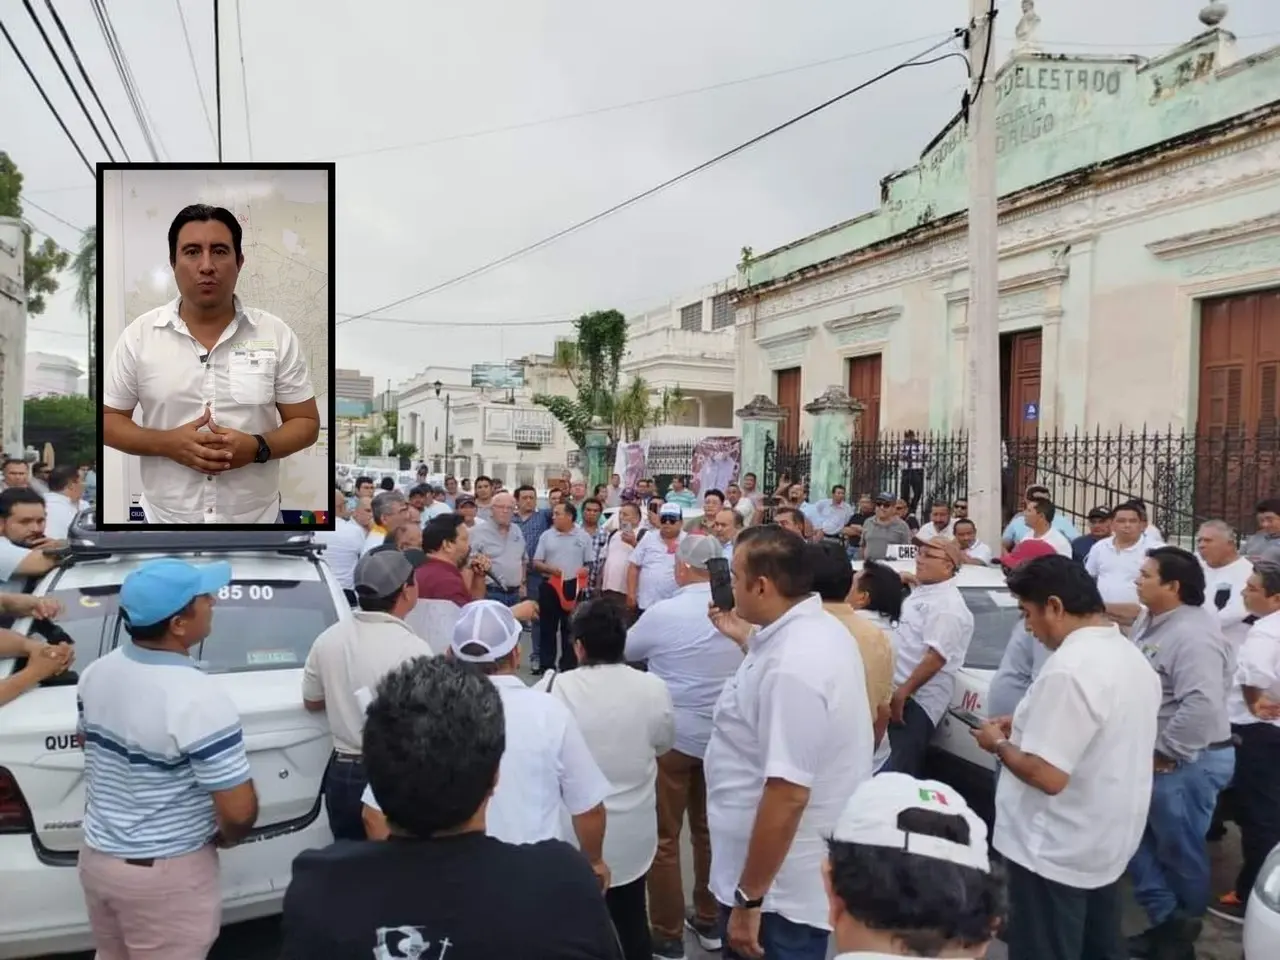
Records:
x=257, y=625
x=995, y=611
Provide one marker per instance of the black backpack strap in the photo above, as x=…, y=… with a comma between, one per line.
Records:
x=551, y=681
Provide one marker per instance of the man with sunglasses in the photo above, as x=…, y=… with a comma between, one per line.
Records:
x=652, y=576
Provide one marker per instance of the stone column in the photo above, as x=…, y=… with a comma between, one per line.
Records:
x=760, y=419
x=595, y=470
x=835, y=423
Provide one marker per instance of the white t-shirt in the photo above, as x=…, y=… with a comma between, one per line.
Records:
x=11, y=557
x=934, y=617
x=695, y=660
x=1116, y=568
x=795, y=710
x=979, y=551
x=1090, y=712
x=1056, y=539
x=627, y=720
x=928, y=531
x=156, y=369
x=545, y=769
x=352, y=656
x=617, y=553
x=657, y=565
x=343, y=548
x=1233, y=576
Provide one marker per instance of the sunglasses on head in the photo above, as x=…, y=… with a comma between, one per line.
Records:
x=670, y=520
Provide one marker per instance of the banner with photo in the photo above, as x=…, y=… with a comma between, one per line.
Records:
x=629, y=462
x=716, y=461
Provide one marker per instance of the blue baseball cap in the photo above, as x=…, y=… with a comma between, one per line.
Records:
x=160, y=588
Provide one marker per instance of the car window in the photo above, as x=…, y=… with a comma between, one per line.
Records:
x=995, y=611
x=88, y=617
x=261, y=625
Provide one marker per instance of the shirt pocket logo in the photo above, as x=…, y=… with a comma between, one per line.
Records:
x=251, y=376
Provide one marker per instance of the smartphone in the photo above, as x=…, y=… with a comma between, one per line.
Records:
x=721, y=585
x=970, y=720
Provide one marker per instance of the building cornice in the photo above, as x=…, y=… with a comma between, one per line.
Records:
x=1203, y=241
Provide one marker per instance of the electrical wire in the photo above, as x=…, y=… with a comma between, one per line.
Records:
x=45, y=97
x=121, y=63
x=915, y=61
x=195, y=71
x=628, y=105
x=244, y=81
x=84, y=75
x=51, y=215
x=57, y=59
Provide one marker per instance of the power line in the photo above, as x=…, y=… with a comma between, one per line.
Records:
x=628, y=105
x=45, y=97
x=195, y=71
x=51, y=215
x=84, y=75
x=57, y=59
x=121, y=63
x=244, y=81
x=217, y=74
x=914, y=61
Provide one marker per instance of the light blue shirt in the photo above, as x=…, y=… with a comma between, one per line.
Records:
x=1017, y=530
x=830, y=518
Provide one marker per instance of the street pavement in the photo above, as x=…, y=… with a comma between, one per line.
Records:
x=260, y=939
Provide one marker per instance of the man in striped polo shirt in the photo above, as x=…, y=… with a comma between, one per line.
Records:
x=167, y=778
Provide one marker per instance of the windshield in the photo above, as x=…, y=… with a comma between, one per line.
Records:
x=995, y=611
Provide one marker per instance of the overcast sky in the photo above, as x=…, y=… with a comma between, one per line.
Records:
x=367, y=83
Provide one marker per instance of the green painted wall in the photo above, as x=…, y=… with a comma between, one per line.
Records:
x=1054, y=114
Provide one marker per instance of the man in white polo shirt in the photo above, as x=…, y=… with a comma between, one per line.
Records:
x=223, y=388
x=167, y=780
x=345, y=664
x=652, y=574
x=546, y=766
x=1076, y=771
x=1116, y=561
x=790, y=741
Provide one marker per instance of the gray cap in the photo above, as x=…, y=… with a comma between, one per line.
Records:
x=696, y=550
x=383, y=571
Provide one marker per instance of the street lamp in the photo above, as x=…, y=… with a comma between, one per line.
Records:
x=437, y=385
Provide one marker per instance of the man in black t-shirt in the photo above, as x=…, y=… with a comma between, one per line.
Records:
x=439, y=888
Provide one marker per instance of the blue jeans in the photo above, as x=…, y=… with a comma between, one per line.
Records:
x=780, y=938
x=1170, y=871
x=532, y=587
x=508, y=598
x=344, y=785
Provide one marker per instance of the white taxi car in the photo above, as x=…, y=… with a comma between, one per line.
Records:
x=279, y=600
x=954, y=756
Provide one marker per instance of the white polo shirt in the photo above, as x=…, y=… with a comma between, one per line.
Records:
x=1116, y=568
x=1232, y=576
x=796, y=710
x=1257, y=665
x=934, y=617
x=343, y=547
x=351, y=656
x=657, y=566
x=1090, y=712
x=160, y=737
x=546, y=767
x=695, y=660
x=156, y=368
x=60, y=511
x=627, y=720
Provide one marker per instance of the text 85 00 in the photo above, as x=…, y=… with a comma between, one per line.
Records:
x=246, y=591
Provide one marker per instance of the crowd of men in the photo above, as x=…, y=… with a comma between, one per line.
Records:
x=789, y=730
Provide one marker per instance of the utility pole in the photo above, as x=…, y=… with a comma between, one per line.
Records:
x=983, y=406
x=217, y=74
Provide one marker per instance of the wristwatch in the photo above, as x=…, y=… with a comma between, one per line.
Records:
x=743, y=902
x=264, y=451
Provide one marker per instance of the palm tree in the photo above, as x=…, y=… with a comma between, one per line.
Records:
x=85, y=268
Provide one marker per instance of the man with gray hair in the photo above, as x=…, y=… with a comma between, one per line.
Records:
x=1225, y=576
x=390, y=510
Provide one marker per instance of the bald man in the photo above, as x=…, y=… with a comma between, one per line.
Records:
x=499, y=552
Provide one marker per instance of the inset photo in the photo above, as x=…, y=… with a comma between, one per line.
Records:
x=215, y=345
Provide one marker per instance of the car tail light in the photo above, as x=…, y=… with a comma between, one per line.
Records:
x=15, y=816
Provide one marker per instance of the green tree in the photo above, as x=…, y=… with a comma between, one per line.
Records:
x=69, y=423
x=42, y=262
x=370, y=446
x=84, y=267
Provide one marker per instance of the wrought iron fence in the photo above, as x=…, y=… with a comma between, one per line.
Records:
x=1183, y=477
x=784, y=462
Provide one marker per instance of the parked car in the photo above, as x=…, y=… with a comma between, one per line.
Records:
x=954, y=757
x=1262, y=916
x=279, y=600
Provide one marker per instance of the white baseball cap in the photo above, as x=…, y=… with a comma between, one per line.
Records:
x=870, y=818
x=487, y=624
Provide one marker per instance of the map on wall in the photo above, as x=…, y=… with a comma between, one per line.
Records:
x=285, y=218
